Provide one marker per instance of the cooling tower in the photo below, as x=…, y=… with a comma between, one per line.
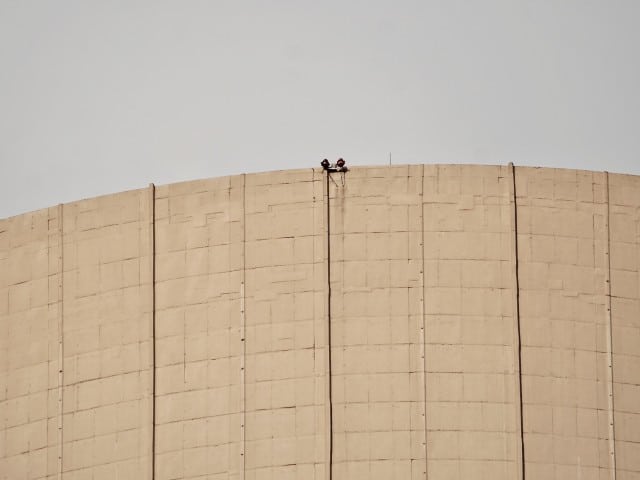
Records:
x=405, y=322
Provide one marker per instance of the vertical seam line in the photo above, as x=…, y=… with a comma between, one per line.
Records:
x=520, y=458
x=330, y=383
x=61, y=344
x=609, y=340
x=243, y=335
x=423, y=327
x=152, y=255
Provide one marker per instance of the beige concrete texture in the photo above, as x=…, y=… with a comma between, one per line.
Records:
x=398, y=322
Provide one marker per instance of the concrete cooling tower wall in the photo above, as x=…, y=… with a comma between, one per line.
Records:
x=408, y=322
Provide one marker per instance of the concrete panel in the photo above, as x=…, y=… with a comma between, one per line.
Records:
x=562, y=240
x=624, y=238
x=376, y=320
x=472, y=394
x=107, y=336
x=30, y=248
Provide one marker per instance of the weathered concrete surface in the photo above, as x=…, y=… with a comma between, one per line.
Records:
x=484, y=322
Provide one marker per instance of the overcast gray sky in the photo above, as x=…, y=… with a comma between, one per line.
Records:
x=102, y=96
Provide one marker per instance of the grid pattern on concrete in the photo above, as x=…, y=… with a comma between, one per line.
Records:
x=106, y=337
x=285, y=338
x=378, y=378
x=562, y=238
x=198, y=346
x=29, y=303
x=624, y=241
x=184, y=331
x=471, y=388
